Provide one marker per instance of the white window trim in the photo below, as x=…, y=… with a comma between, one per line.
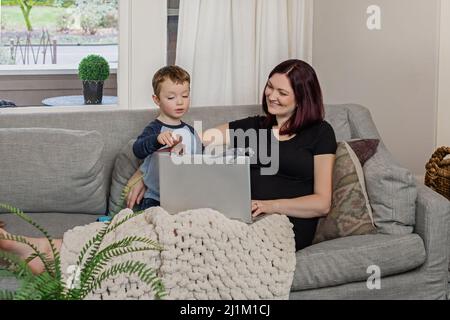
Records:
x=62, y=109
x=51, y=69
x=125, y=52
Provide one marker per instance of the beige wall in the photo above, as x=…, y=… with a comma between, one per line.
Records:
x=392, y=71
x=443, y=132
x=30, y=90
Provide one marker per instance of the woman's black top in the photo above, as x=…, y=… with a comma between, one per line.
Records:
x=295, y=175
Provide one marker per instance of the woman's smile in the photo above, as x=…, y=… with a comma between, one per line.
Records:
x=274, y=104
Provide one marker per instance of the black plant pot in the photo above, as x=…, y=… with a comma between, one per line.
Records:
x=93, y=92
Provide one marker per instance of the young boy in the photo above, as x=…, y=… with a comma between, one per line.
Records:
x=171, y=87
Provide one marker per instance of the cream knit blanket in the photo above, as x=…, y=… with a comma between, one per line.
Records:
x=205, y=256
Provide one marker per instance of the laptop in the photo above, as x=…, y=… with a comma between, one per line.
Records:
x=204, y=181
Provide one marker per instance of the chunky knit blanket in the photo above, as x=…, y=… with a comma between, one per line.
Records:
x=205, y=256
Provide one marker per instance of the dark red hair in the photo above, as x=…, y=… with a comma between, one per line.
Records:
x=308, y=97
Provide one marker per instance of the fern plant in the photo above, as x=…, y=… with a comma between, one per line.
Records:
x=91, y=265
x=124, y=194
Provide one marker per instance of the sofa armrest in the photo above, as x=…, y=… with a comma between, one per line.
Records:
x=432, y=224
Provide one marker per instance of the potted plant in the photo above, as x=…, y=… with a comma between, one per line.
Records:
x=93, y=70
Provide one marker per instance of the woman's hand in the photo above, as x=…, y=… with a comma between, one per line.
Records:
x=260, y=206
x=137, y=191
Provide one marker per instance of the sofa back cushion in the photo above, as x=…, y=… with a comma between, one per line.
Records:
x=52, y=170
x=392, y=193
x=337, y=116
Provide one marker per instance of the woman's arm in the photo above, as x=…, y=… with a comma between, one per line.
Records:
x=312, y=206
x=219, y=135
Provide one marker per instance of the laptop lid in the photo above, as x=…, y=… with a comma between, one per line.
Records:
x=202, y=181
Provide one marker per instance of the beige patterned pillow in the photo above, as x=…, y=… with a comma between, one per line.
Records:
x=350, y=212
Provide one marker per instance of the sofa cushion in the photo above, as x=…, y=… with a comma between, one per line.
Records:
x=125, y=166
x=350, y=212
x=345, y=260
x=52, y=170
x=55, y=223
x=392, y=193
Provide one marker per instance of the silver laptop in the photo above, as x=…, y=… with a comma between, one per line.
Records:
x=202, y=181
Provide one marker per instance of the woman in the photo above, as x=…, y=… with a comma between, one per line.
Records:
x=302, y=187
x=294, y=114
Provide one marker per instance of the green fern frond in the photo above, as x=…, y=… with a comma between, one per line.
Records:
x=123, y=195
x=125, y=191
x=114, y=225
x=146, y=275
x=19, y=213
x=92, y=247
x=49, y=264
x=6, y=295
x=16, y=266
x=41, y=287
x=31, y=257
x=126, y=242
x=89, y=244
x=33, y=287
x=106, y=253
x=102, y=260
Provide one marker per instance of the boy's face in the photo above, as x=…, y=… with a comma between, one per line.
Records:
x=174, y=99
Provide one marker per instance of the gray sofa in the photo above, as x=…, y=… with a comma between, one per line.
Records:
x=411, y=249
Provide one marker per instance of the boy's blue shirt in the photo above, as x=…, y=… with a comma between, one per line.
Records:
x=147, y=143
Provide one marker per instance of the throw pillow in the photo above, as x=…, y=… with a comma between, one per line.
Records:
x=350, y=212
x=392, y=192
x=52, y=170
x=125, y=166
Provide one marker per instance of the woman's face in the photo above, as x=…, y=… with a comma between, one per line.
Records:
x=280, y=96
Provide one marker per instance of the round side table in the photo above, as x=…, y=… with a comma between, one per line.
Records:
x=75, y=101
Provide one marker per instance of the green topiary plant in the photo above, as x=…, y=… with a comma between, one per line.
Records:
x=93, y=68
x=91, y=265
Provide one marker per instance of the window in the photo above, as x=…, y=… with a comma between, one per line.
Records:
x=58, y=32
x=43, y=41
x=172, y=30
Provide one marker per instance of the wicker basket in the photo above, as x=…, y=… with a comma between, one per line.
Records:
x=437, y=176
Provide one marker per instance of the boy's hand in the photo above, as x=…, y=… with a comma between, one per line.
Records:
x=169, y=138
x=137, y=192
